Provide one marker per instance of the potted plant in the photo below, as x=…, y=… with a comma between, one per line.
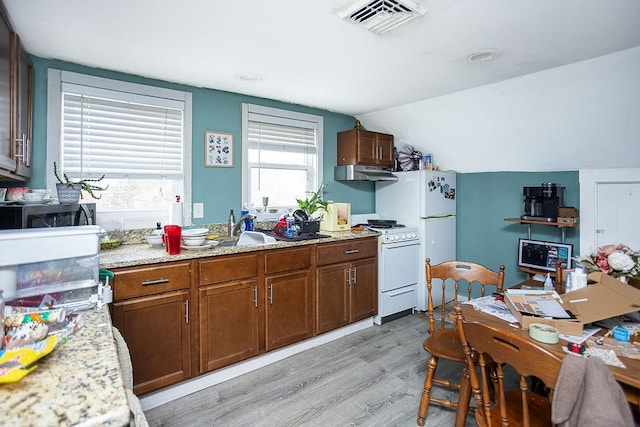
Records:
x=70, y=192
x=314, y=203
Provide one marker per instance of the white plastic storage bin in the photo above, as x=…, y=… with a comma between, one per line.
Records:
x=56, y=267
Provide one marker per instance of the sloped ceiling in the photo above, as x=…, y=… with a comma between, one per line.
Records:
x=301, y=52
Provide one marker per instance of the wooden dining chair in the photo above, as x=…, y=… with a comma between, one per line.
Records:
x=485, y=344
x=471, y=280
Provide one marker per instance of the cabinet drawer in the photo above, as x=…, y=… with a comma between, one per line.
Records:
x=346, y=251
x=224, y=269
x=151, y=279
x=287, y=259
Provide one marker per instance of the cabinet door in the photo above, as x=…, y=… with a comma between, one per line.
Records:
x=332, y=297
x=23, y=106
x=156, y=330
x=289, y=308
x=228, y=324
x=385, y=150
x=367, y=151
x=7, y=161
x=364, y=289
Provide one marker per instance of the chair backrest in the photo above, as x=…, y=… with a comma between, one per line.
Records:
x=455, y=274
x=487, y=344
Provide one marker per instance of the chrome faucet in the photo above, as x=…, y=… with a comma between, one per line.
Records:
x=236, y=226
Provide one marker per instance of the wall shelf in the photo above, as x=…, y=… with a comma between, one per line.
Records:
x=561, y=225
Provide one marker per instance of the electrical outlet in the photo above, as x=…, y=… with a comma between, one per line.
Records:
x=198, y=210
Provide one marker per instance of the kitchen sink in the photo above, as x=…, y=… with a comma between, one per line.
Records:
x=227, y=244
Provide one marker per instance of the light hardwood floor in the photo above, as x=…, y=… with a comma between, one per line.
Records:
x=371, y=378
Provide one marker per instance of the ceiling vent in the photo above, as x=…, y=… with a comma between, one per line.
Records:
x=380, y=16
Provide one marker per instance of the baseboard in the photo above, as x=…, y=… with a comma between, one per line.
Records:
x=158, y=398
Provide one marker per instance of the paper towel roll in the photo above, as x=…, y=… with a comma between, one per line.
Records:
x=175, y=214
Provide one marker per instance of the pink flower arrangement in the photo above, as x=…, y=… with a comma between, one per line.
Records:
x=615, y=260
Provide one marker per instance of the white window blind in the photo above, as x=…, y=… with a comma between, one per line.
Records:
x=120, y=138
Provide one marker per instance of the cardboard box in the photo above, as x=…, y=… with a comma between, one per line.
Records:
x=607, y=298
x=568, y=212
x=337, y=217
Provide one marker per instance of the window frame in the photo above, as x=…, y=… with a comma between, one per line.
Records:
x=286, y=115
x=55, y=80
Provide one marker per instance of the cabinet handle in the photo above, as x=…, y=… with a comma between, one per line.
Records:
x=186, y=311
x=155, y=282
x=271, y=294
x=380, y=158
x=22, y=146
x=348, y=276
x=255, y=296
x=352, y=251
x=373, y=151
x=355, y=276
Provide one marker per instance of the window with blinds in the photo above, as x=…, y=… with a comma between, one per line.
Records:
x=281, y=156
x=137, y=136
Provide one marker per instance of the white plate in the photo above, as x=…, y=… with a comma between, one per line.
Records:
x=204, y=246
x=195, y=232
x=33, y=202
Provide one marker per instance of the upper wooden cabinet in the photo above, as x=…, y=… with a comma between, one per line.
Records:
x=23, y=110
x=362, y=147
x=16, y=104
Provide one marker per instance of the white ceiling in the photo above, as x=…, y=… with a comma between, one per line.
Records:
x=304, y=54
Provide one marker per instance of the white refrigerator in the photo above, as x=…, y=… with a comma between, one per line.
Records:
x=426, y=199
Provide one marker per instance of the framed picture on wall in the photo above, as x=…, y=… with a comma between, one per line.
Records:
x=218, y=149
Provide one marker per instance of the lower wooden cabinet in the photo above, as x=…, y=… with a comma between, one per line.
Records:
x=156, y=331
x=346, y=283
x=332, y=297
x=229, y=317
x=289, y=308
x=245, y=305
x=364, y=289
x=151, y=311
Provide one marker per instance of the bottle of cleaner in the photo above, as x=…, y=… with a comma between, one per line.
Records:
x=548, y=284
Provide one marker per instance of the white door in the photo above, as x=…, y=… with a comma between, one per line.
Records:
x=609, y=202
x=617, y=207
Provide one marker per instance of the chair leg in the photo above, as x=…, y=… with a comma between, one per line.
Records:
x=426, y=393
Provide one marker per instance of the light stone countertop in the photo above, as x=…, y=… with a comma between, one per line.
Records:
x=80, y=382
x=141, y=254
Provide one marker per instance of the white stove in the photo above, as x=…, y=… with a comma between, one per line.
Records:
x=398, y=268
x=398, y=233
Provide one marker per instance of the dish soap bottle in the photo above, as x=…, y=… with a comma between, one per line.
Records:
x=548, y=284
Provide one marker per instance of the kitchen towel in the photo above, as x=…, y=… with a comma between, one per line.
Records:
x=175, y=213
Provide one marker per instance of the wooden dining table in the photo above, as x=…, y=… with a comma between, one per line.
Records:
x=628, y=378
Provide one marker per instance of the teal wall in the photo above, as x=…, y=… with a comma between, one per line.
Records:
x=486, y=199
x=218, y=188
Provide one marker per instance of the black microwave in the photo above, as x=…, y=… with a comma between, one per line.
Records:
x=46, y=215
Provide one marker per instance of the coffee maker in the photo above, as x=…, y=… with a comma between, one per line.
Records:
x=541, y=203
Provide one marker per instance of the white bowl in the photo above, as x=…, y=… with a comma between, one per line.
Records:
x=154, y=239
x=45, y=192
x=33, y=197
x=193, y=240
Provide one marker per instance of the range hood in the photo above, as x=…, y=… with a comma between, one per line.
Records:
x=362, y=173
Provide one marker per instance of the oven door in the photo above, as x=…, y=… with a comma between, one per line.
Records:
x=398, y=265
